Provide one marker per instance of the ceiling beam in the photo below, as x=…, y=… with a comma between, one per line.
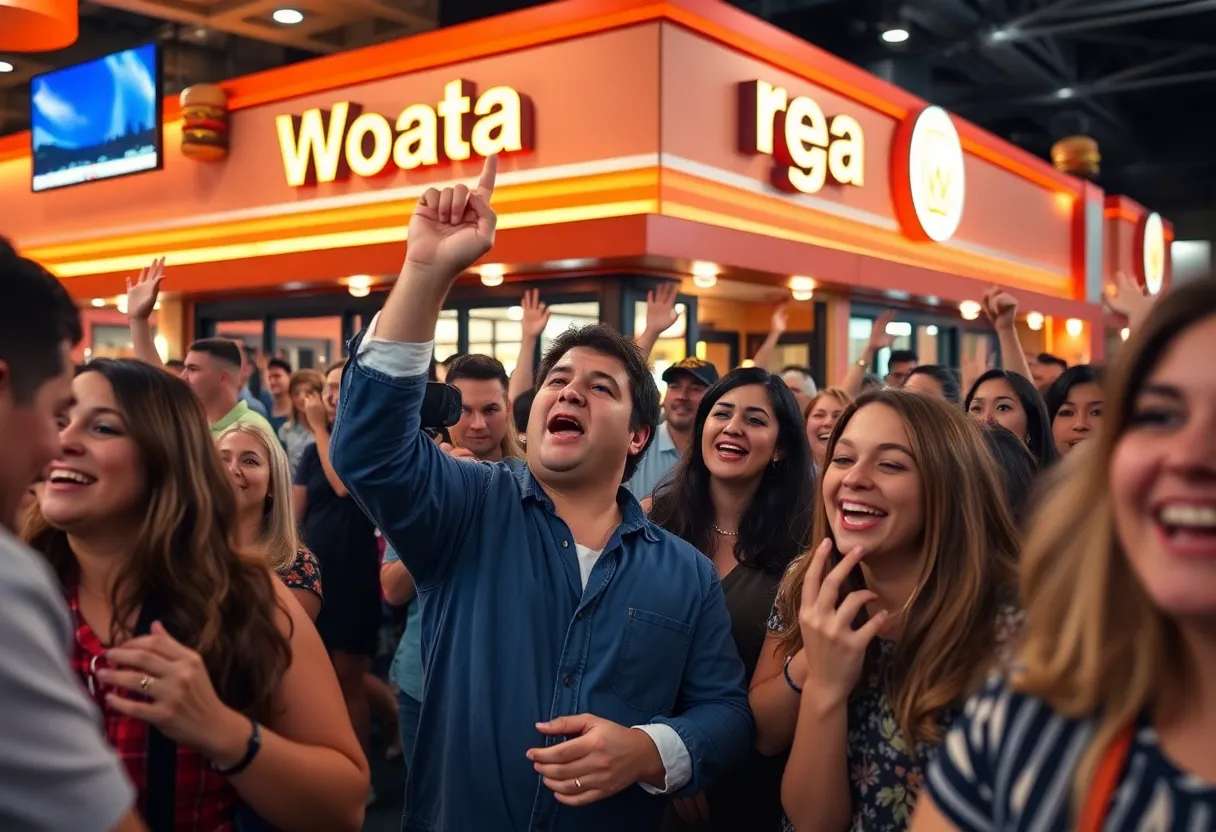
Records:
x=1002, y=36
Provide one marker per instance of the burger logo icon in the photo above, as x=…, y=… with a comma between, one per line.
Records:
x=204, y=123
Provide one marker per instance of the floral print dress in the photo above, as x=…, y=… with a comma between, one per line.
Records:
x=884, y=779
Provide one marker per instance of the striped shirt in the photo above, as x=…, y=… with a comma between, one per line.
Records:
x=1008, y=763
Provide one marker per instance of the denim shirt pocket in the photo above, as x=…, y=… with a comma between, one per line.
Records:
x=651, y=662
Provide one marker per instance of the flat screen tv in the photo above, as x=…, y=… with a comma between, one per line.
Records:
x=97, y=120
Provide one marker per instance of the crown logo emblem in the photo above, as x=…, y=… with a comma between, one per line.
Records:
x=938, y=174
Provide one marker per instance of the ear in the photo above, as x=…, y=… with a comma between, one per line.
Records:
x=638, y=442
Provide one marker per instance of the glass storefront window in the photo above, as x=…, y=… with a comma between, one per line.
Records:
x=669, y=349
x=927, y=344
x=563, y=316
x=447, y=335
x=859, y=337
x=496, y=331
x=309, y=343
x=115, y=342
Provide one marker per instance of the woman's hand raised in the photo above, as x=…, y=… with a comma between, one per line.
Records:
x=835, y=651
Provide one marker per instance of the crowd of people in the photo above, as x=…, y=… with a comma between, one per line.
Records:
x=933, y=601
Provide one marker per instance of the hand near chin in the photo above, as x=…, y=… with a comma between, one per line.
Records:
x=835, y=651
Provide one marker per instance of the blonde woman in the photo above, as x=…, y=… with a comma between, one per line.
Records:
x=1109, y=720
x=822, y=414
x=262, y=479
x=881, y=633
x=296, y=433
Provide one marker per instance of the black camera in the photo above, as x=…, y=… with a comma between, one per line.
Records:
x=440, y=407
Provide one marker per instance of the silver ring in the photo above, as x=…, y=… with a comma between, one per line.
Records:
x=578, y=784
x=145, y=684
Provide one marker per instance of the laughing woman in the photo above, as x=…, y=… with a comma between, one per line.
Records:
x=883, y=630
x=261, y=477
x=1107, y=720
x=212, y=682
x=742, y=497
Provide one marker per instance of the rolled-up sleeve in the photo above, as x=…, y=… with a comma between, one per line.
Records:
x=713, y=718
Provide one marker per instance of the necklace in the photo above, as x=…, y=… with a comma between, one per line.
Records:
x=724, y=532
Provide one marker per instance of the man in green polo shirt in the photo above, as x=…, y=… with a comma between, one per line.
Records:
x=213, y=371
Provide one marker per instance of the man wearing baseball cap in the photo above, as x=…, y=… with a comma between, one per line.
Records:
x=686, y=383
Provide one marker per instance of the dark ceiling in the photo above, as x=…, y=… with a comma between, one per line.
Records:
x=1139, y=76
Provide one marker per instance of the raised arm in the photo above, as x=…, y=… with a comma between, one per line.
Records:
x=879, y=339
x=141, y=300
x=780, y=323
x=1002, y=309
x=661, y=315
x=421, y=499
x=535, y=318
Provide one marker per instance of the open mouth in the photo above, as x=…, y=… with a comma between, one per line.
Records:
x=564, y=425
x=1188, y=523
x=64, y=476
x=730, y=451
x=824, y=437
x=860, y=516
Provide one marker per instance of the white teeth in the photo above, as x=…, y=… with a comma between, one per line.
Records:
x=1189, y=516
x=71, y=476
x=728, y=447
x=858, y=508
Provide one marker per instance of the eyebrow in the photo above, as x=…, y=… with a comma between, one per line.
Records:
x=750, y=408
x=1165, y=391
x=882, y=446
x=599, y=375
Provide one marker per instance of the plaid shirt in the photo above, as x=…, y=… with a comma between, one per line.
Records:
x=205, y=800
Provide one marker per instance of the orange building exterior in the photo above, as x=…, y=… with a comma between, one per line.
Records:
x=641, y=140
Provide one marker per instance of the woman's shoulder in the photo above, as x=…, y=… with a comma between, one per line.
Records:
x=1003, y=730
x=304, y=572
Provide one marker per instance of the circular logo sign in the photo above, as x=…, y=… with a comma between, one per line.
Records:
x=1153, y=246
x=929, y=176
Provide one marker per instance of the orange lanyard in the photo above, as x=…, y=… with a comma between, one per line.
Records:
x=1106, y=780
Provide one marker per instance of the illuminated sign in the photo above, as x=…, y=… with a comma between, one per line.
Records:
x=1152, y=244
x=808, y=147
x=928, y=175
x=328, y=145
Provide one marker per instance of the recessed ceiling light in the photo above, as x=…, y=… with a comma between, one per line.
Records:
x=5, y=66
x=896, y=34
x=288, y=17
x=1065, y=92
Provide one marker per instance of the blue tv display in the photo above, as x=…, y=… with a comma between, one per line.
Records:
x=97, y=120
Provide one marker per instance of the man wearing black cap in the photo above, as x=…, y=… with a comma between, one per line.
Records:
x=686, y=383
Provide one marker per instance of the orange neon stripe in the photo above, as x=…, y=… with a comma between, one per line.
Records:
x=608, y=187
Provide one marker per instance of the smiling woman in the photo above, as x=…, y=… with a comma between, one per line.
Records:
x=879, y=635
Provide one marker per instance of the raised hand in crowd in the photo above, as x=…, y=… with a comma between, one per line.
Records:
x=661, y=314
x=1126, y=297
x=315, y=413
x=141, y=301
x=1001, y=309
x=536, y=315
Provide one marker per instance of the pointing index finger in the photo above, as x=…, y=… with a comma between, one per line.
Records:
x=489, y=173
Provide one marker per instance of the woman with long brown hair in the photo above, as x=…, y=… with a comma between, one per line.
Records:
x=214, y=687
x=882, y=631
x=1107, y=720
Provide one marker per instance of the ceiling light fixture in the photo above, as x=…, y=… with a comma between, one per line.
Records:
x=1065, y=92
x=1074, y=327
x=288, y=17
x=359, y=285
x=970, y=310
x=99, y=303
x=895, y=34
x=120, y=303
x=931, y=330
x=1034, y=320
x=492, y=274
x=5, y=66
x=1123, y=333
x=704, y=275
x=803, y=288
x=515, y=313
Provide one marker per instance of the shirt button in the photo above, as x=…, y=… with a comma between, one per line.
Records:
x=568, y=681
x=578, y=616
x=565, y=544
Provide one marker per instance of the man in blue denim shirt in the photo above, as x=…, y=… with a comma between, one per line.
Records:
x=578, y=659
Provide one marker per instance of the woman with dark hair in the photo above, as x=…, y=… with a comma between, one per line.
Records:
x=1074, y=406
x=1017, y=467
x=1009, y=399
x=743, y=496
x=212, y=683
x=935, y=380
